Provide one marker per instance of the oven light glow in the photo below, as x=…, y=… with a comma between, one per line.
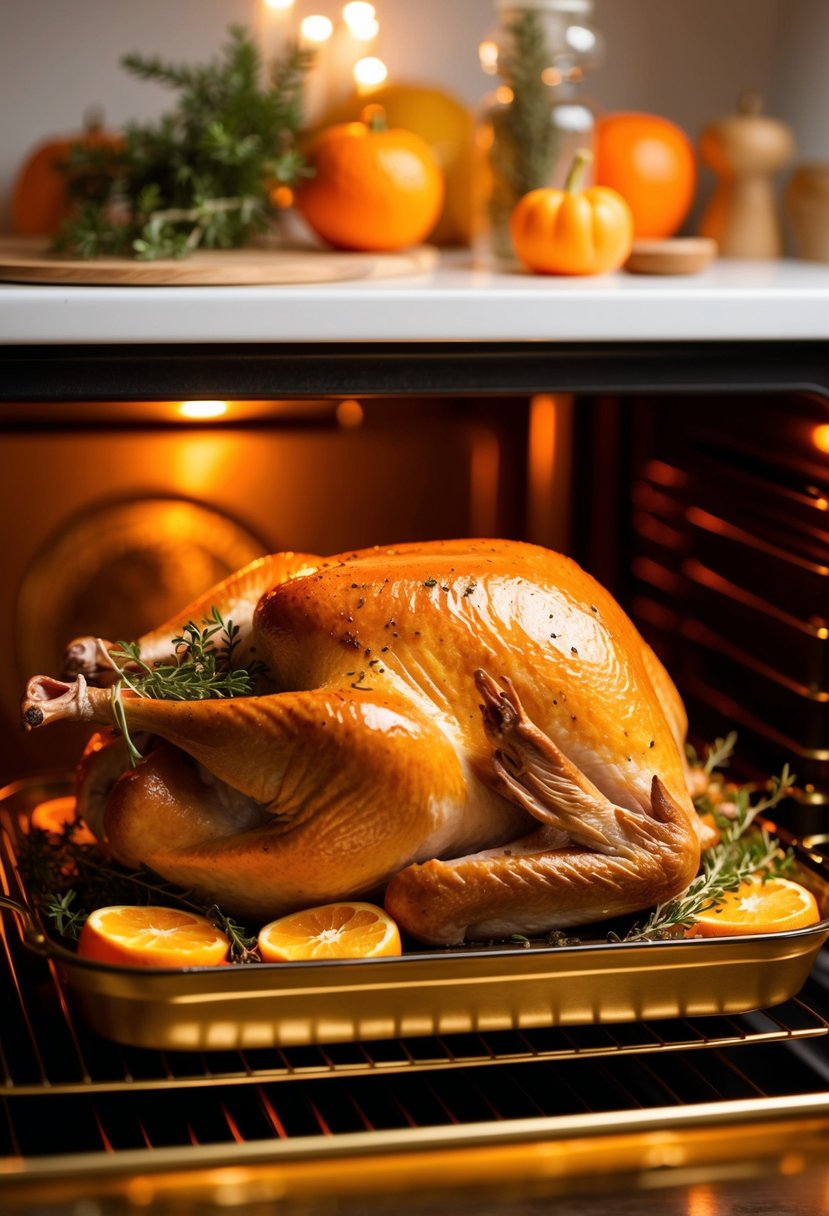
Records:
x=820, y=437
x=200, y=410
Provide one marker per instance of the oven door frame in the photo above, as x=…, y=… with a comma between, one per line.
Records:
x=71, y=373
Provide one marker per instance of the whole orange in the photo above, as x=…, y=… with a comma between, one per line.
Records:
x=373, y=188
x=650, y=161
x=448, y=128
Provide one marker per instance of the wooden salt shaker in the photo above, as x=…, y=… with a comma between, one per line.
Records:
x=745, y=150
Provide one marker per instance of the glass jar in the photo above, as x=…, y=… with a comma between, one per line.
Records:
x=533, y=123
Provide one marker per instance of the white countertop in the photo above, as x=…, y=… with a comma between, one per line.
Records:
x=732, y=300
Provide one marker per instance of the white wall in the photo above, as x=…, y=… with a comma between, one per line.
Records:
x=687, y=59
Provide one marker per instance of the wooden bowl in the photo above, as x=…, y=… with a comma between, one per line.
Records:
x=681, y=255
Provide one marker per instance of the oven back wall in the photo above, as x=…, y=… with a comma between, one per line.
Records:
x=109, y=531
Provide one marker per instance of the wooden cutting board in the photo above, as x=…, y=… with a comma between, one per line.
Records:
x=29, y=260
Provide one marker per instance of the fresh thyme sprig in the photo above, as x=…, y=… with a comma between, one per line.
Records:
x=66, y=878
x=243, y=946
x=202, y=670
x=720, y=752
x=67, y=920
x=741, y=852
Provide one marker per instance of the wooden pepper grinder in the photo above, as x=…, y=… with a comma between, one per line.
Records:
x=745, y=150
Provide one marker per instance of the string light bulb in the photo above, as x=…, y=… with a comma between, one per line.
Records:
x=316, y=29
x=370, y=72
x=279, y=4
x=358, y=11
x=488, y=55
x=361, y=19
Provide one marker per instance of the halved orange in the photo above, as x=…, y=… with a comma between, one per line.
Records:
x=342, y=930
x=53, y=816
x=758, y=907
x=151, y=937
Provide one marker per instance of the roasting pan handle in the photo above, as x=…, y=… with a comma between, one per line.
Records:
x=34, y=938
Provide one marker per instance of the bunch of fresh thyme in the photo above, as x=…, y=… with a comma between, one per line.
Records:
x=741, y=851
x=202, y=175
x=67, y=877
x=202, y=670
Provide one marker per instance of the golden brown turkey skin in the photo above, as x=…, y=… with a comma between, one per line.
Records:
x=420, y=619
x=476, y=724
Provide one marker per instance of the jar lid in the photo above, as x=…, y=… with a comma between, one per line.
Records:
x=547, y=6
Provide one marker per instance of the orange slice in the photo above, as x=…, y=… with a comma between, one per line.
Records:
x=759, y=907
x=151, y=937
x=344, y=930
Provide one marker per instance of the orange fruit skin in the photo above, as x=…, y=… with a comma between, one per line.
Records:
x=782, y=905
x=589, y=232
x=448, y=128
x=372, y=190
x=113, y=935
x=651, y=162
x=361, y=931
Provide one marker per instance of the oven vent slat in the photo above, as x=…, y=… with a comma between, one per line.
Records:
x=728, y=523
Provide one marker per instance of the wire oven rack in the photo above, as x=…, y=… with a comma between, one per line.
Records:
x=76, y=1110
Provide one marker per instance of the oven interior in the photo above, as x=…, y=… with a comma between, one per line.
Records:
x=706, y=515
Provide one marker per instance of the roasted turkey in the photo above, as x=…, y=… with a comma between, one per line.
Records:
x=473, y=727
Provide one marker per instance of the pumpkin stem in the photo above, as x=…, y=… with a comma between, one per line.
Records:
x=574, y=178
x=93, y=120
x=374, y=117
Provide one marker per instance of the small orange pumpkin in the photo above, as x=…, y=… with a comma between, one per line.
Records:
x=572, y=231
x=41, y=196
x=373, y=188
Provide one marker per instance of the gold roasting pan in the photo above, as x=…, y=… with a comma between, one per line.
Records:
x=436, y=992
